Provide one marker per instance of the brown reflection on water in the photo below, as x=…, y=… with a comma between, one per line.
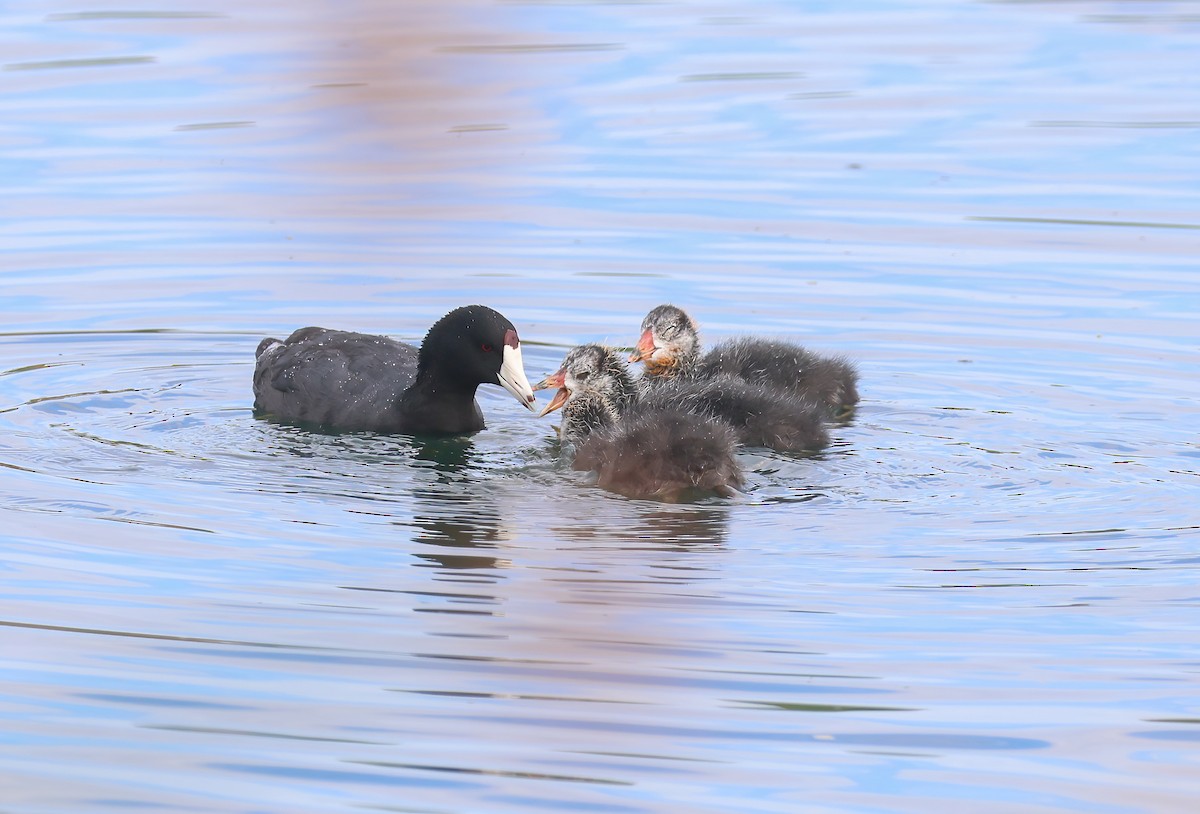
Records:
x=646, y=526
x=403, y=80
x=431, y=109
x=462, y=518
x=342, y=110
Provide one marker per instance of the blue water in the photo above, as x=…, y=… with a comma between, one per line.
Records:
x=982, y=597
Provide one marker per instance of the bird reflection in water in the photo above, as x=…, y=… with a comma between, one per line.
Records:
x=676, y=528
x=448, y=513
x=686, y=529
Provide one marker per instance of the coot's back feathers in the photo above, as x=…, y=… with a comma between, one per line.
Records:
x=334, y=379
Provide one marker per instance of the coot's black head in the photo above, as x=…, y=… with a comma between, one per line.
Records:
x=475, y=345
x=592, y=370
x=669, y=340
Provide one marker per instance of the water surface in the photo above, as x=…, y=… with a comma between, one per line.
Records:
x=982, y=596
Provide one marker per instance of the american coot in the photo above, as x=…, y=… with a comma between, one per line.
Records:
x=646, y=451
x=350, y=381
x=670, y=348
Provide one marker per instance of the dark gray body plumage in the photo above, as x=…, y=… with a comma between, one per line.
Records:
x=662, y=453
x=351, y=381
x=760, y=415
x=830, y=380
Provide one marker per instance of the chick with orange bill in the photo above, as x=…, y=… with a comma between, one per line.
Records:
x=594, y=389
x=657, y=452
x=669, y=348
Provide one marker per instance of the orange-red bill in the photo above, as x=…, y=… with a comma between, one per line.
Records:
x=645, y=347
x=560, y=398
x=558, y=379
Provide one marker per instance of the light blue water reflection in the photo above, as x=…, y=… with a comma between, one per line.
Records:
x=981, y=597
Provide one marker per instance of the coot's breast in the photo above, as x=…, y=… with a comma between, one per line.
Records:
x=334, y=378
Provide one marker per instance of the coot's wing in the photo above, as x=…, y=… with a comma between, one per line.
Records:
x=339, y=379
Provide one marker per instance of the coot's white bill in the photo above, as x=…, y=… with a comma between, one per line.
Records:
x=512, y=377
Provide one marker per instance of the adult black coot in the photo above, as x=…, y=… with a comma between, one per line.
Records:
x=656, y=451
x=669, y=347
x=340, y=380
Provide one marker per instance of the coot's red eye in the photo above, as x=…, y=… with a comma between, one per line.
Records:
x=485, y=347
